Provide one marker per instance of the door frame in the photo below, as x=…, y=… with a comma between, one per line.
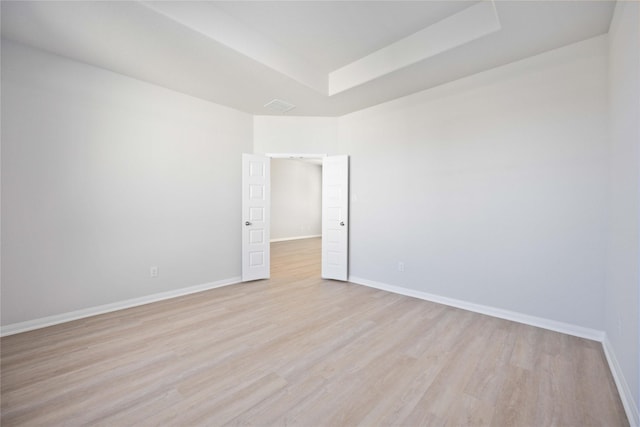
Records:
x=296, y=156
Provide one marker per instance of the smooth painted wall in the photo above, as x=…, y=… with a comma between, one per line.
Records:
x=296, y=199
x=104, y=176
x=622, y=296
x=491, y=189
x=295, y=135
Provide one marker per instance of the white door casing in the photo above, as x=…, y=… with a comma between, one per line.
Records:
x=335, y=217
x=256, y=200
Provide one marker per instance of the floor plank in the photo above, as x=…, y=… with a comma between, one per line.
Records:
x=299, y=350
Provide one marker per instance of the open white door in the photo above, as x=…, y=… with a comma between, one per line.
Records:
x=335, y=217
x=256, y=199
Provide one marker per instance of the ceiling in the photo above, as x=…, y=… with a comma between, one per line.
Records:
x=332, y=34
x=328, y=58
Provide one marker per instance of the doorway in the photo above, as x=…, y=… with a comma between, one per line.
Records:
x=296, y=198
x=296, y=217
x=256, y=216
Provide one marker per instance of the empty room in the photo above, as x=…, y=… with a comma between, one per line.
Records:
x=320, y=213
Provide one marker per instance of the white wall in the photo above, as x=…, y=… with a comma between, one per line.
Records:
x=622, y=295
x=499, y=189
x=104, y=176
x=491, y=189
x=296, y=199
x=295, y=135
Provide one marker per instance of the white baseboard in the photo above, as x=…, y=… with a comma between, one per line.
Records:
x=43, y=322
x=626, y=396
x=630, y=407
x=628, y=402
x=284, y=239
x=565, y=328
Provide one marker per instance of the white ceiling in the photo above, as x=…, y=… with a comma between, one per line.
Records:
x=333, y=34
x=243, y=54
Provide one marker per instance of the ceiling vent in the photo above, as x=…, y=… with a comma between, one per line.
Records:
x=279, y=106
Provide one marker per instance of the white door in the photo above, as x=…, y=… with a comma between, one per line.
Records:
x=335, y=217
x=256, y=200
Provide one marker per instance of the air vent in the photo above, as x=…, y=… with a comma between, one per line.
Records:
x=279, y=106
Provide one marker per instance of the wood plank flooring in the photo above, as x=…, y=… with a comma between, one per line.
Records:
x=297, y=350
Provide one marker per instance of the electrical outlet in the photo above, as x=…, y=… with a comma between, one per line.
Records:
x=400, y=266
x=153, y=272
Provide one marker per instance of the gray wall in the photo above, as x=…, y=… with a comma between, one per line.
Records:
x=296, y=199
x=295, y=134
x=622, y=294
x=510, y=188
x=104, y=176
x=491, y=189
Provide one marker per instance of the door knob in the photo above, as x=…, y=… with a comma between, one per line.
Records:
x=247, y=223
x=342, y=223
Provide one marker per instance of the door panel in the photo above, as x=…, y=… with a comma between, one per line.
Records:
x=256, y=200
x=335, y=217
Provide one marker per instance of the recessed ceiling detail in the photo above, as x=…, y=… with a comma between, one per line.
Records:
x=462, y=27
x=211, y=21
x=328, y=58
x=470, y=24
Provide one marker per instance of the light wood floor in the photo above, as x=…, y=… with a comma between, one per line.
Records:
x=297, y=350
